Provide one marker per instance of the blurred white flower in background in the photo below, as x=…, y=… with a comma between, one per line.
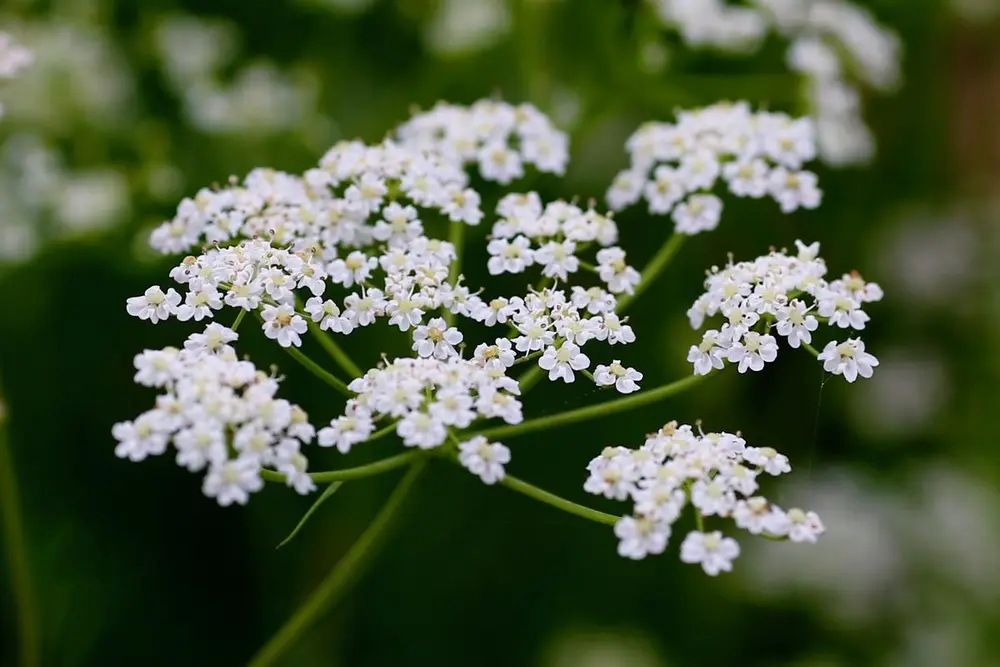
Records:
x=600, y=648
x=463, y=26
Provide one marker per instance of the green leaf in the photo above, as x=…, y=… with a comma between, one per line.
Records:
x=330, y=490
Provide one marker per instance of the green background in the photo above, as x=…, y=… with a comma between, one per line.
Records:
x=132, y=565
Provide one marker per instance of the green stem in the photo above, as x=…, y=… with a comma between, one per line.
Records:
x=320, y=372
x=653, y=270
x=809, y=348
x=544, y=496
x=343, y=574
x=17, y=556
x=593, y=411
x=239, y=319
x=335, y=351
x=456, y=236
x=376, y=468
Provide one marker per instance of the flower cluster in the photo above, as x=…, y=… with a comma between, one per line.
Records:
x=499, y=137
x=428, y=398
x=675, y=166
x=716, y=474
x=787, y=294
x=220, y=414
x=551, y=236
x=831, y=43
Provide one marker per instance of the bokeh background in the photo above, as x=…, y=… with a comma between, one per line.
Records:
x=131, y=105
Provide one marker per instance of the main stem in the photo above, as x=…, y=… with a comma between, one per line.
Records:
x=347, y=474
x=344, y=573
x=593, y=411
x=17, y=556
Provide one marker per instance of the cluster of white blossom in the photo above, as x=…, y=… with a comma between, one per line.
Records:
x=675, y=166
x=787, y=294
x=428, y=398
x=221, y=415
x=716, y=474
x=550, y=236
x=831, y=43
x=13, y=59
x=500, y=138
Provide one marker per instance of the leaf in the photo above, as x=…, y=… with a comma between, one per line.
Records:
x=330, y=490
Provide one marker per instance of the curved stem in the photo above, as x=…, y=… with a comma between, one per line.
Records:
x=17, y=556
x=377, y=468
x=593, y=411
x=810, y=349
x=320, y=372
x=544, y=496
x=653, y=270
x=343, y=574
x=335, y=351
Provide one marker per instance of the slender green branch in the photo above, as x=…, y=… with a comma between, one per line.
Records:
x=22, y=594
x=376, y=468
x=330, y=490
x=335, y=351
x=320, y=372
x=239, y=319
x=530, y=378
x=456, y=236
x=343, y=574
x=382, y=432
x=593, y=411
x=653, y=270
x=809, y=348
x=558, y=502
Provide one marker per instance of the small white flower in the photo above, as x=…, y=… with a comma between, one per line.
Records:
x=233, y=481
x=700, y=213
x=509, y=256
x=561, y=363
x=707, y=355
x=767, y=459
x=793, y=190
x=484, y=459
x=795, y=323
x=624, y=379
x=419, y=429
x=282, y=324
x=848, y=359
x=712, y=551
x=640, y=536
x=436, y=339
x=557, y=259
x=346, y=431
x=753, y=351
x=613, y=271
x=154, y=305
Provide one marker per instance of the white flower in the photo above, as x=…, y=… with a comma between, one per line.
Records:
x=804, y=526
x=327, y=313
x=747, y=178
x=509, y=256
x=848, y=359
x=355, y=269
x=283, y=325
x=499, y=163
x=484, y=459
x=557, y=259
x=714, y=552
x=640, y=536
x=419, y=429
x=233, y=481
x=612, y=269
x=767, y=459
x=665, y=190
x=707, y=355
x=346, y=431
x=624, y=379
x=436, y=339
x=154, y=305
x=139, y=439
x=626, y=189
x=795, y=323
x=843, y=310
x=753, y=351
x=712, y=497
x=561, y=363
x=700, y=213
x=215, y=338
x=793, y=190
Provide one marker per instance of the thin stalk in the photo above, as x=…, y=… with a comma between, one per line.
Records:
x=335, y=351
x=22, y=593
x=810, y=349
x=343, y=574
x=593, y=411
x=558, y=502
x=346, y=474
x=320, y=372
x=239, y=319
x=653, y=270
x=456, y=236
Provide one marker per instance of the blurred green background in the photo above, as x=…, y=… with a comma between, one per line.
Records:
x=132, y=105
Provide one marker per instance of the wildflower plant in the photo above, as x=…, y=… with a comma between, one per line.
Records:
x=344, y=246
